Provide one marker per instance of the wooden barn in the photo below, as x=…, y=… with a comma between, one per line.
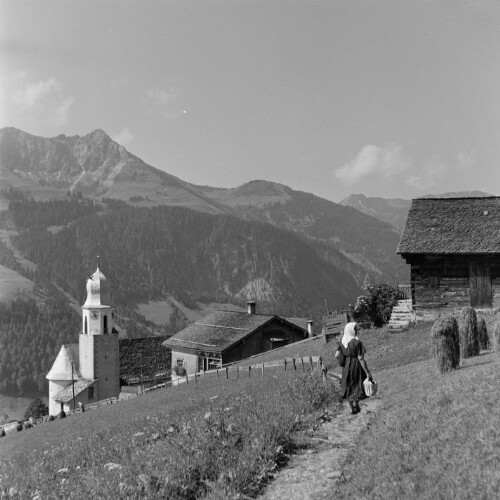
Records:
x=453, y=248
x=226, y=336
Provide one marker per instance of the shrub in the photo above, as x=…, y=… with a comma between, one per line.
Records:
x=377, y=303
x=36, y=409
x=51, y=418
x=446, y=343
x=2, y=432
x=496, y=338
x=482, y=334
x=467, y=328
x=62, y=414
x=19, y=427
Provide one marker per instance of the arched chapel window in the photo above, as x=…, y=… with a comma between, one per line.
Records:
x=105, y=324
x=85, y=330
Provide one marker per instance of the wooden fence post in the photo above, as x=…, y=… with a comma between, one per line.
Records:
x=311, y=363
x=227, y=371
x=294, y=365
x=285, y=364
x=302, y=360
x=249, y=371
x=238, y=372
x=187, y=378
x=217, y=369
x=262, y=370
x=195, y=377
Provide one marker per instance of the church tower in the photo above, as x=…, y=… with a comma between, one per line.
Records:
x=98, y=342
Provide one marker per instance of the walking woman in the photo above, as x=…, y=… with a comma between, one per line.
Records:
x=355, y=369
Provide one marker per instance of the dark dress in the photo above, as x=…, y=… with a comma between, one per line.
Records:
x=353, y=374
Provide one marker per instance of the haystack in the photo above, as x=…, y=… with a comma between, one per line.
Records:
x=446, y=343
x=496, y=338
x=482, y=333
x=467, y=328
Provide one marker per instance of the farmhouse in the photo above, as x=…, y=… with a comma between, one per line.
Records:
x=101, y=365
x=222, y=337
x=453, y=248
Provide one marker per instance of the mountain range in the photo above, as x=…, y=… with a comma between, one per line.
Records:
x=99, y=168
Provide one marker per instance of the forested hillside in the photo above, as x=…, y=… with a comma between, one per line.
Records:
x=147, y=252
x=31, y=335
x=344, y=236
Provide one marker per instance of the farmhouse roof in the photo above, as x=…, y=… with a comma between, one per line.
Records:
x=66, y=394
x=220, y=330
x=452, y=226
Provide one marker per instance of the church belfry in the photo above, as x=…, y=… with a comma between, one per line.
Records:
x=99, y=353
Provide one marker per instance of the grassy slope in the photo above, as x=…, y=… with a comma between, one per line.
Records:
x=186, y=442
x=435, y=436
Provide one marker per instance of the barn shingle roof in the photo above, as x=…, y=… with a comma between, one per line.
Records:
x=220, y=330
x=452, y=226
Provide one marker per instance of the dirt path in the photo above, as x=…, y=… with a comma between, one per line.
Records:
x=313, y=472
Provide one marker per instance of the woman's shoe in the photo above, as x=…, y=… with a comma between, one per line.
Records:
x=356, y=407
x=353, y=408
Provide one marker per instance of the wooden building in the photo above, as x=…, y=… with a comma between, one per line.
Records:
x=226, y=336
x=453, y=248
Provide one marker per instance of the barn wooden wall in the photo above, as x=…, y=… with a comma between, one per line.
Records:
x=441, y=284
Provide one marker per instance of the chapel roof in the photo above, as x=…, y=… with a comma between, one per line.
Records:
x=66, y=395
x=220, y=330
x=67, y=363
x=452, y=226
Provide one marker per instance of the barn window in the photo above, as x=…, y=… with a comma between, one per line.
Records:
x=91, y=393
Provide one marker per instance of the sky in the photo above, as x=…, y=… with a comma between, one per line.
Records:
x=389, y=98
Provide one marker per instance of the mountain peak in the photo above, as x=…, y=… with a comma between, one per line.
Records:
x=97, y=135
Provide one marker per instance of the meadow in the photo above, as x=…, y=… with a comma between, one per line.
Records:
x=434, y=436
x=200, y=440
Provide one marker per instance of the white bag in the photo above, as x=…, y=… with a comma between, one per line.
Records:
x=370, y=388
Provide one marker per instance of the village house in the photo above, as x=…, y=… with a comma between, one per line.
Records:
x=101, y=365
x=223, y=337
x=453, y=248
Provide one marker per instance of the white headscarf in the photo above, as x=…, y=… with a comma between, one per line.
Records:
x=349, y=333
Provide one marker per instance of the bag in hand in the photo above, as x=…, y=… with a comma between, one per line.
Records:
x=370, y=387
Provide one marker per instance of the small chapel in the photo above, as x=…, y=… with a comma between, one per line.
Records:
x=89, y=371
